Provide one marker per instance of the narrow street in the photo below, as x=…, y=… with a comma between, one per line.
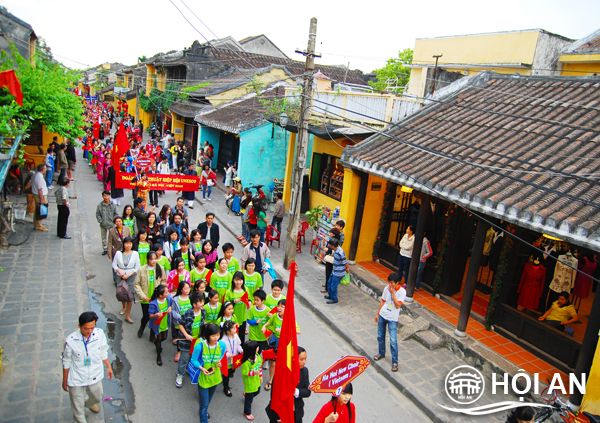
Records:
x=375, y=398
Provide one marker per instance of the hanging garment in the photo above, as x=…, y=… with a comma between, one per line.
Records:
x=488, y=242
x=583, y=283
x=564, y=273
x=531, y=286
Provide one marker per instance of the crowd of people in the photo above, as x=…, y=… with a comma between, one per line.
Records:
x=222, y=312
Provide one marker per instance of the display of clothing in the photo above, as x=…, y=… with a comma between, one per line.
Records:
x=583, y=283
x=564, y=273
x=496, y=249
x=488, y=242
x=531, y=286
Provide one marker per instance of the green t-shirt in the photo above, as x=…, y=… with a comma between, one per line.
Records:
x=186, y=260
x=239, y=309
x=196, y=325
x=233, y=266
x=224, y=319
x=272, y=302
x=210, y=356
x=151, y=285
x=164, y=263
x=274, y=325
x=252, y=283
x=196, y=275
x=143, y=250
x=212, y=314
x=128, y=221
x=261, y=221
x=164, y=323
x=184, y=305
x=252, y=383
x=261, y=317
x=220, y=283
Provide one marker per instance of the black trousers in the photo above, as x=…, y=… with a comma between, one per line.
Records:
x=63, y=220
x=231, y=373
x=248, y=398
x=153, y=198
x=145, y=317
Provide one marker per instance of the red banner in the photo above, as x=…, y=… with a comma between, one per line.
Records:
x=339, y=374
x=160, y=182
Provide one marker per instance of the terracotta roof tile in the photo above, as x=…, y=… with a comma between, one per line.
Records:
x=517, y=148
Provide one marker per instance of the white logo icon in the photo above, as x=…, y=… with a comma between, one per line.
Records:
x=464, y=385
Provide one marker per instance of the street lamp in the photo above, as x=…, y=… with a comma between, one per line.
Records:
x=283, y=119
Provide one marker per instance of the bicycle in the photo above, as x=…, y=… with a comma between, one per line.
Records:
x=561, y=409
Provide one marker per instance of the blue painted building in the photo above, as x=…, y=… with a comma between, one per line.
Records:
x=239, y=132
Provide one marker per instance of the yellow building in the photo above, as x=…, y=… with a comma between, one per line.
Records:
x=582, y=58
x=526, y=52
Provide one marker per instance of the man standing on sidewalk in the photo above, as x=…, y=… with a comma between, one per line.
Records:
x=39, y=189
x=84, y=358
x=71, y=159
x=105, y=215
x=389, y=311
x=340, y=267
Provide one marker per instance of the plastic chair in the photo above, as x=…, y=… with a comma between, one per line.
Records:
x=273, y=235
x=301, y=238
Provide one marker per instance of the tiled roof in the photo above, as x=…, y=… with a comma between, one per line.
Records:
x=522, y=149
x=245, y=60
x=237, y=116
x=586, y=45
x=187, y=109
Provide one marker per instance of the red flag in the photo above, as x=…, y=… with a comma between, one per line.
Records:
x=245, y=300
x=287, y=371
x=120, y=147
x=237, y=360
x=224, y=366
x=9, y=80
x=268, y=354
x=193, y=345
x=273, y=311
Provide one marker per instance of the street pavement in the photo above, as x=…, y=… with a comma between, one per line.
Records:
x=154, y=396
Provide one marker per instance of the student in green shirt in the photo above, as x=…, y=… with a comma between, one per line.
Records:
x=160, y=259
x=200, y=271
x=257, y=316
x=142, y=247
x=181, y=304
x=251, y=376
x=220, y=280
x=213, y=307
x=252, y=280
x=233, y=264
x=160, y=318
x=275, y=296
x=237, y=295
x=226, y=314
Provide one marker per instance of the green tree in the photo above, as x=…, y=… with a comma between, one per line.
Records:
x=46, y=93
x=160, y=101
x=394, y=74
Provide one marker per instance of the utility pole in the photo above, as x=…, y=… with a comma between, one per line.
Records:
x=435, y=68
x=301, y=144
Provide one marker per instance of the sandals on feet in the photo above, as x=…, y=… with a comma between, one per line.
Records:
x=395, y=367
x=377, y=357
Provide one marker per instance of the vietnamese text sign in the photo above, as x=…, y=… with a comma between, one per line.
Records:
x=161, y=182
x=339, y=374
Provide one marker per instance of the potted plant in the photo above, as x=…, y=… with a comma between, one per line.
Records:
x=313, y=216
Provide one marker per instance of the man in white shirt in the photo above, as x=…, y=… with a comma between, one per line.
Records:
x=39, y=189
x=389, y=311
x=406, y=248
x=84, y=358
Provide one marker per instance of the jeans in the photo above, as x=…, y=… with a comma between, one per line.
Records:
x=403, y=266
x=420, y=274
x=276, y=222
x=248, y=398
x=393, y=330
x=49, y=177
x=206, y=189
x=332, y=287
x=205, y=396
x=245, y=230
x=184, y=358
x=77, y=395
x=262, y=234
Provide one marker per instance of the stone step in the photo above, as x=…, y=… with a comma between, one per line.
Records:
x=430, y=339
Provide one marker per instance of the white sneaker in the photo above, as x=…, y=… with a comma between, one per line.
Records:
x=179, y=381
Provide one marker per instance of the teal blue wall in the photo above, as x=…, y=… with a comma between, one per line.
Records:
x=262, y=158
x=211, y=135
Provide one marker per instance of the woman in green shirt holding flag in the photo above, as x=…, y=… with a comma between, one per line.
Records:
x=207, y=357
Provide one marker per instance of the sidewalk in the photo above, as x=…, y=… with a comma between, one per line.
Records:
x=424, y=360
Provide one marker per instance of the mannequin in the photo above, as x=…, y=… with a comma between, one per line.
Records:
x=531, y=285
x=564, y=276
x=583, y=282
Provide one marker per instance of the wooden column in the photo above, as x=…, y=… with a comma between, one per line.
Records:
x=469, y=289
x=424, y=212
x=360, y=207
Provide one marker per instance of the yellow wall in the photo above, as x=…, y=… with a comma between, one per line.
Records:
x=349, y=201
x=316, y=199
x=161, y=80
x=504, y=47
x=265, y=79
x=33, y=151
x=371, y=219
x=150, y=78
x=177, y=122
x=591, y=400
x=580, y=64
x=289, y=163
